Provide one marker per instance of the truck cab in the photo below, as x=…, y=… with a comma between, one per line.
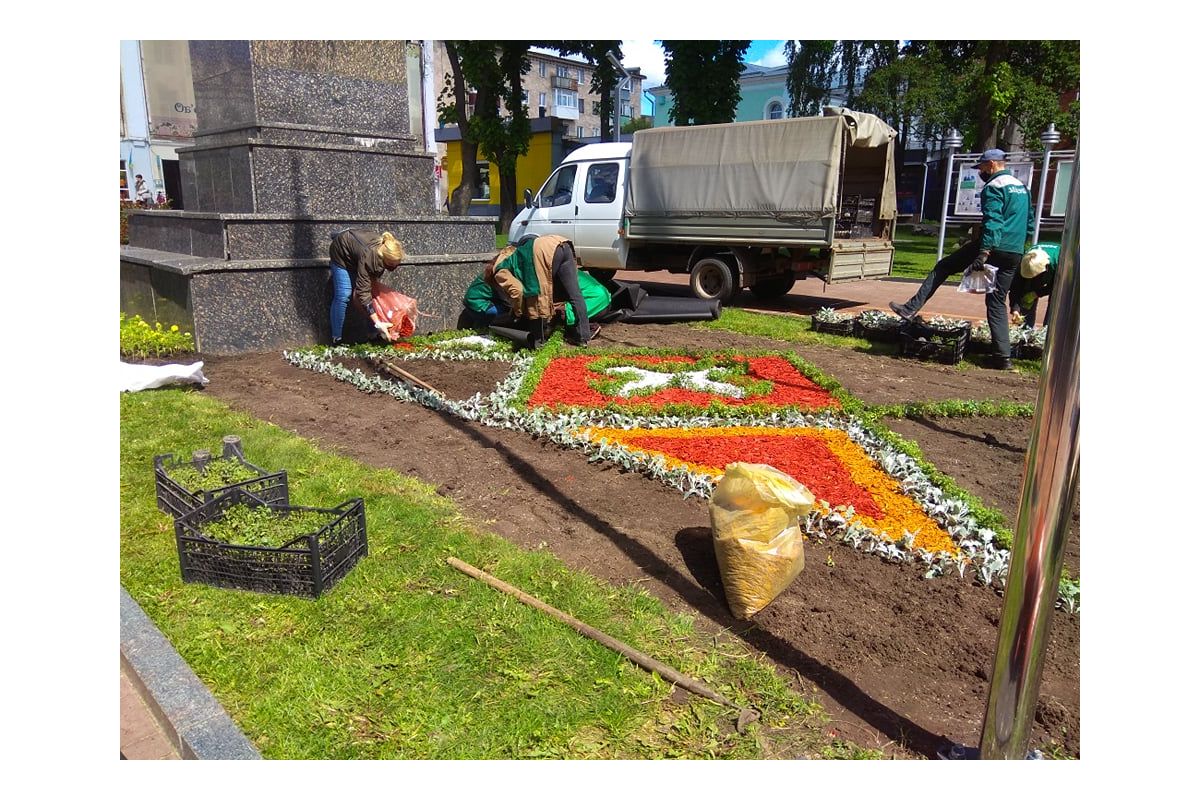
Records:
x=582, y=200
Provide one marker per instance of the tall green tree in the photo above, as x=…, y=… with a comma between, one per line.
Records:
x=604, y=75
x=989, y=88
x=499, y=125
x=812, y=65
x=704, y=79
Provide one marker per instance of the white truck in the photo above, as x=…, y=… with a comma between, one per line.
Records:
x=743, y=205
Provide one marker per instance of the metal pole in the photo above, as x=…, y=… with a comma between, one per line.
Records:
x=952, y=142
x=924, y=185
x=1049, y=137
x=1051, y=478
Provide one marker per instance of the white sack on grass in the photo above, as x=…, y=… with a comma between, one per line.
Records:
x=136, y=377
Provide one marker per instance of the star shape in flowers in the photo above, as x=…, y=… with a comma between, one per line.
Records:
x=653, y=380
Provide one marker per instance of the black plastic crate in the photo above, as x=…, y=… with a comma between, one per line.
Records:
x=918, y=340
x=176, y=500
x=307, y=565
x=839, y=328
x=877, y=334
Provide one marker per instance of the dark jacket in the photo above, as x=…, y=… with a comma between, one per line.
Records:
x=351, y=249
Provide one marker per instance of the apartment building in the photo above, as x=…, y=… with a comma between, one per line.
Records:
x=561, y=87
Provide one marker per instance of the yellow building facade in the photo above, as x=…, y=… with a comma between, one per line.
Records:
x=545, y=153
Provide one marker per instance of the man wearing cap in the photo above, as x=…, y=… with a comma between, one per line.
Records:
x=1036, y=279
x=1007, y=221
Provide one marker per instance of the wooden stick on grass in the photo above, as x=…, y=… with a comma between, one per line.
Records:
x=636, y=656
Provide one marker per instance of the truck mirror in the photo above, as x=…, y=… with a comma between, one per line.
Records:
x=528, y=198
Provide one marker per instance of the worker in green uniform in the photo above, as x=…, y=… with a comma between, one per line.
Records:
x=1036, y=279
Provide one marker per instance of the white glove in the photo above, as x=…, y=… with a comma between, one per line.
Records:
x=383, y=327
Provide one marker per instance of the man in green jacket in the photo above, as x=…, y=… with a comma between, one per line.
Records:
x=1007, y=221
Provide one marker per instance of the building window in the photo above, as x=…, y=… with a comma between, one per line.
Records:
x=626, y=111
x=580, y=71
x=579, y=132
x=581, y=105
x=775, y=110
x=124, y=182
x=483, y=189
x=541, y=68
x=542, y=99
x=595, y=131
x=525, y=96
x=564, y=97
x=562, y=71
x=596, y=107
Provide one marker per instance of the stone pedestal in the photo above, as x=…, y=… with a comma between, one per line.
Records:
x=295, y=140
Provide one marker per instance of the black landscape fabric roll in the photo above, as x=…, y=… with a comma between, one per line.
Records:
x=523, y=338
x=674, y=309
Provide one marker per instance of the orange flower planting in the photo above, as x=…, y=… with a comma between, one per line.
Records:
x=827, y=461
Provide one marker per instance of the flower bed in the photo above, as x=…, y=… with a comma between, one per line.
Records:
x=678, y=383
x=880, y=466
x=826, y=461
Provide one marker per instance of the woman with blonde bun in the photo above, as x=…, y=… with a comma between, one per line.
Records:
x=357, y=257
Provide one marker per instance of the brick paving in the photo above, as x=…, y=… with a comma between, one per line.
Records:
x=142, y=738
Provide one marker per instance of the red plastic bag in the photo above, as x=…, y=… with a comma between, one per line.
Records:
x=398, y=309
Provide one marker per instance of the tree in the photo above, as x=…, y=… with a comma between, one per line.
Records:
x=811, y=68
x=637, y=124
x=604, y=75
x=704, y=79
x=493, y=69
x=987, y=89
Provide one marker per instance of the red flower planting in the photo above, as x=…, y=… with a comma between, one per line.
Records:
x=806, y=458
x=565, y=382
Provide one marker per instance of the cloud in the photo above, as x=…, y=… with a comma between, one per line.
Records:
x=648, y=57
x=772, y=58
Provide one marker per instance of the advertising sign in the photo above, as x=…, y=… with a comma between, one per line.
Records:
x=1062, y=188
x=966, y=197
x=169, y=94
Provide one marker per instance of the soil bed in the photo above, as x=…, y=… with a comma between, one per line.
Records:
x=901, y=663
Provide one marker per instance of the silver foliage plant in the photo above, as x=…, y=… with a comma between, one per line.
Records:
x=979, y=552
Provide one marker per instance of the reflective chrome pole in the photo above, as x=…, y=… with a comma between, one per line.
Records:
x=1049, y=137
x=1051, y=478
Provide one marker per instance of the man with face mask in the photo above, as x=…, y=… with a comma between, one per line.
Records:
x=1008, y=218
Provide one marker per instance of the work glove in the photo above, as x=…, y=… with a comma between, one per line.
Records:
x=979, y=261
x=383, y=328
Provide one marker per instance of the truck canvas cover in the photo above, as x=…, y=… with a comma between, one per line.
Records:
x=786, y=170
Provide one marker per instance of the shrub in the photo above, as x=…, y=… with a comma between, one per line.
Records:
x=139, y=339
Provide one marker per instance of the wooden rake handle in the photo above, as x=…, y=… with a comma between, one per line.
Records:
x=636, y=656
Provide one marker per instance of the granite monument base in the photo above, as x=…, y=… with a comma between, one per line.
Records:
x=233, y=307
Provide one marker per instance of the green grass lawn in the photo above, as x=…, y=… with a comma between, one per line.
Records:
x=798, y=329
x=408, y=658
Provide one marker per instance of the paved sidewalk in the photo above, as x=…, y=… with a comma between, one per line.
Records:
x=810, y=295
x=142, y=738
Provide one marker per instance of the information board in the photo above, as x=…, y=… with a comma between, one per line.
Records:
x=966, y=197
x=1062, y=188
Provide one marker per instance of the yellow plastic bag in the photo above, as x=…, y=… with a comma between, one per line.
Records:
x=755, y=512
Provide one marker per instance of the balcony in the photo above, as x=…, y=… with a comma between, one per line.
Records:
x=560, y=82
x=565, y=111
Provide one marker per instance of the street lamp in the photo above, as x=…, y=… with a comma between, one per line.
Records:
x=1049, y=137
x=612, y=59
x=951, y=141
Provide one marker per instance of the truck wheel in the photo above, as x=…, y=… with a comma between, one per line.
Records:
x=712, y=279
x=772, y=288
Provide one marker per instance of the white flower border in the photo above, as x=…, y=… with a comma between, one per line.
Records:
x=976, y=542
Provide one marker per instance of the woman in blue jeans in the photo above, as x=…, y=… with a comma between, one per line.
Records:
x=357, y=257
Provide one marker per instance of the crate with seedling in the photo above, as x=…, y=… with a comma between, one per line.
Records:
x=184, y=484
x=937, y=339
x=237, y=541
x=836, y=322
x=878, y=326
